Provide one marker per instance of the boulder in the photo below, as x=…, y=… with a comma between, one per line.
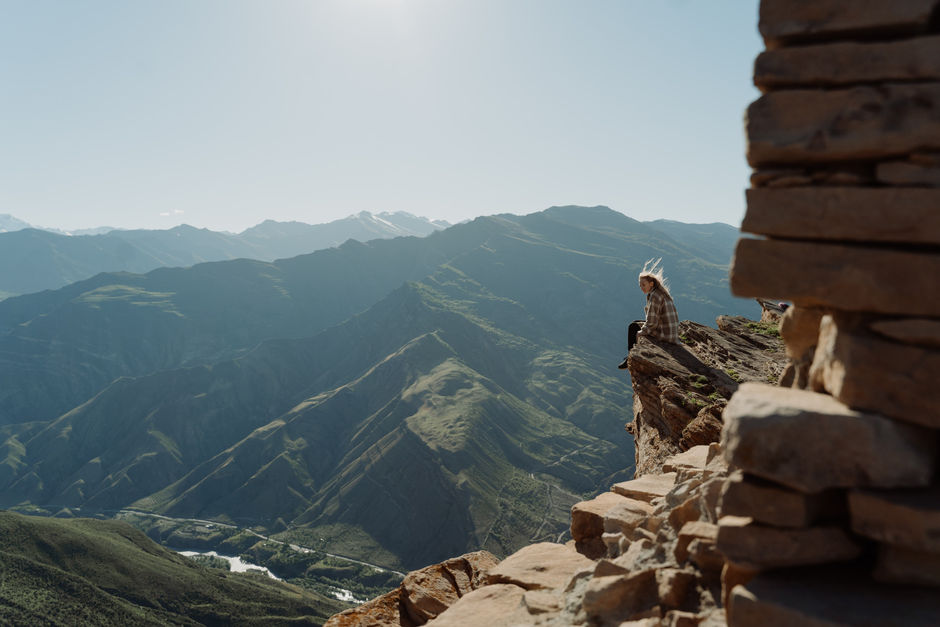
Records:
x=429, y=591
x=587, y=522
x=845, y=63
x=621, y=597
x=782, y=21
x=544, y=565
x=860, y=214
x=838, y=276
x=745, y=542
x=909, y=518
x=870, y=373
x=811, y=442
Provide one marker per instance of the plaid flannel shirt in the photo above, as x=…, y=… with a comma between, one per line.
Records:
x=662, y=319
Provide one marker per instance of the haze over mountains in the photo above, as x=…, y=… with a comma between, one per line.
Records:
x=38, y=259
x=401, y=400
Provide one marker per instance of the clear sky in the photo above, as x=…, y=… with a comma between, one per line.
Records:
x=224, y=113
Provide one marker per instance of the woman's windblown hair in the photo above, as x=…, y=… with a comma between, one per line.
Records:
x=653, y=271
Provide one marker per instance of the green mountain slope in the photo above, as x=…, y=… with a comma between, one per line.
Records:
x=469, y=408
x=91, y=572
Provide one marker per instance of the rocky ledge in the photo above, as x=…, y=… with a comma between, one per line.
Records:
x=680, y=390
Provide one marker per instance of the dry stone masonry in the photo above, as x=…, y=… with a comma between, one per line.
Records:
x=832, y=512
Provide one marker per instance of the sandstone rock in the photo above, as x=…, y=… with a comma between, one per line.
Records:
x=845, y=63
x=785, y=20
x=497, y=605
x=826, y=125
x=431, y=590
x=733, y=575
x=627, y=515
x=695, y=458
x=542, y=565
x=672, y=586
x=621, y=597
x=919, y=331
x=743, y=541
x=693, y=531
x=646, y=488
x=903, y=215
x=866, y=372
x=827, y=597
x=905, y=173
x=903, y=566
x=799, y=329
x=382, y=611
x=704, y=553
x=612, y=540
x=838, y=276
x=773, y=504
x=422, y=595
x=909, y=518
x=641, y=554
x=811, y=442
x=587, y=522
x=818, y=175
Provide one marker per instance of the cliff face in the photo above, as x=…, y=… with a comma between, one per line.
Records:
x=680, y=390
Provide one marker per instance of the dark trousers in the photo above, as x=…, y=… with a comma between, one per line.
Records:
x=635, y=326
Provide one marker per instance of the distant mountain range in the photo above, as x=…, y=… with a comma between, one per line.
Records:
x=401, y=400
x=36, y=259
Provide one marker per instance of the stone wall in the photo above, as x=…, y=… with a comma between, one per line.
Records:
x=834, y=513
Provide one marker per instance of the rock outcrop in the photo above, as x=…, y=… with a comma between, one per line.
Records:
x=680, y=390
x=422, y=595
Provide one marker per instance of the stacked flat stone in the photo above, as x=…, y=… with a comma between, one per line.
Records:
x=837, y=495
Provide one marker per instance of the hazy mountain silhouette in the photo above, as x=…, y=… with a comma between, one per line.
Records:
x=36, y=260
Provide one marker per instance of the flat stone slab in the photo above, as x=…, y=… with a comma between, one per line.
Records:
x=861, y=214
x=497, y=605
x=785, y=20
x=627, y=516
x=773, y=504
x=587, y=517
x=918, y=331
x=539, y=566
x=829, y=596
x=908, y=518
x=851, y=278
x=694, y=530
x=811, y=442
x=846, y=63
x=806, y=126
x=745, y=542
x=647, y=487
x=867, y=372
x=693, y=459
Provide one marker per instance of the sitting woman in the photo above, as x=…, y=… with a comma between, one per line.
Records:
x=662, y=319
